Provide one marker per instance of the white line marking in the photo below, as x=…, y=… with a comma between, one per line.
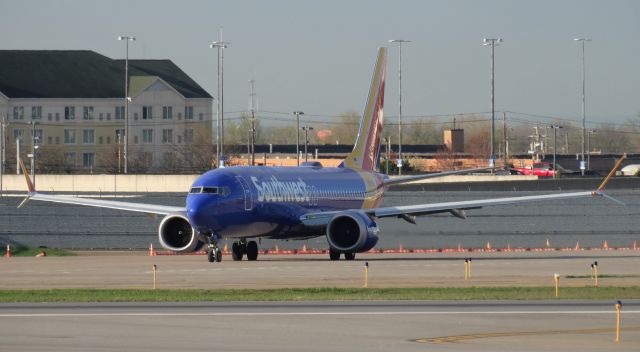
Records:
x=248, y=314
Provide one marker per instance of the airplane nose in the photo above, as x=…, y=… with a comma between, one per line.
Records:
x=199, y=211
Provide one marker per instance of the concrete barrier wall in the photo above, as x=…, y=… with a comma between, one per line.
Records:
x=168, y=183
x=102, y=183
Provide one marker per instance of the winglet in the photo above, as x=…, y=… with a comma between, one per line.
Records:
x=611, y=173
x=30, y=186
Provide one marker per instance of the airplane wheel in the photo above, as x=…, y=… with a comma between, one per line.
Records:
x=349, y=256
x=252, y=250
x=218, y=255
x=334, y=255
x=211, y=257
x=236, y=251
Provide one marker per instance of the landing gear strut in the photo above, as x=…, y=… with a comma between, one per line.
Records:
x=335, y=255
x=242, y=247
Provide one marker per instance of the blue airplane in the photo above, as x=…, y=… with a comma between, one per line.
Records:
x=341, y=203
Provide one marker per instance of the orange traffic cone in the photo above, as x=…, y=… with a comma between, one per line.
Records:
x=605, y=245
x=225, y=250
x=488, y=245
x=8, y=255
x=548, y=243
x=459, y=248
x=152, y=252
x=577, y=246
x=304, y=248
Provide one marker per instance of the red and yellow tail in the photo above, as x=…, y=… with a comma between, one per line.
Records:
x=365, y=152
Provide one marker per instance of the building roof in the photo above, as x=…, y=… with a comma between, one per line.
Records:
x=82, y=74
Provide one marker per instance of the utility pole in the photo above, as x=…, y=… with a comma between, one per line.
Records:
x=504, y=138
x=589, y=132
x=400, y=41
x=220, y=45
x=492, y=42
x=298, y=113
x=306, y=141
x=127, y=39
x=252, y=96
x=3, y=156
x=582, y=162
x=555, y=168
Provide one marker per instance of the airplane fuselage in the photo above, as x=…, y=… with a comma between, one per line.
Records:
x=269, y=201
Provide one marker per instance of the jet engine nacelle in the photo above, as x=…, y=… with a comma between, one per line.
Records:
x=176, y=234
x=352, y=231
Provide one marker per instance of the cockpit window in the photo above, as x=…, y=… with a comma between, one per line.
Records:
x=223, y=191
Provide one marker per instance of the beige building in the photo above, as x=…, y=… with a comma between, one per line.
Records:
x=73, y=103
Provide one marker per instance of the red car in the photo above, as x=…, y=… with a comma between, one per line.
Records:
x=539, y=169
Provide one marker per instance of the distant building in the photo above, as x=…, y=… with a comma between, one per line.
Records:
x=454, y=140
x=76, y=101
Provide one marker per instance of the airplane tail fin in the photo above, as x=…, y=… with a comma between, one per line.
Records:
x=367, y=148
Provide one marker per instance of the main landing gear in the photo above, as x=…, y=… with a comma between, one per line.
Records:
x=335, y=255
x=242, y=247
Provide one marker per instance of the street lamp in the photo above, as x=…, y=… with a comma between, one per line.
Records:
x=589, y=133
x=582, y=40
x=127, y=39
x=555, y=169
x=298, y=113
x=400, y=41
x=220, y=45
x=492, y=42
x=34, y=147
x=306, y=130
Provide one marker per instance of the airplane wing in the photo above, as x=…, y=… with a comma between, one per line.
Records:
x=408, y=212
x=100, y=203
x=406, y=179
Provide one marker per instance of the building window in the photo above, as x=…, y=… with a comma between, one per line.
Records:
x=135, y=139
x=87, y=160
x=57, y=139
x=18, y=134
x=119, y=113
x=188, y=112
x=57, y=116
x=108, y=139
x=49, y=116
x=87, y=112
x=188, y=135
x=69, y=112
x=38, y=136
x=167, y=136
x=108, y=116
x=147, y=113
x=101, y=116
x=147, y=136
x=88, y=136
x=50, y=140
x=167, y=112
x=70, y=159
x=179, y=116
x=69, y=136
x=200, y=116
x=169, y=159
x=100, y=139
x=36, y=112
x=18, y=112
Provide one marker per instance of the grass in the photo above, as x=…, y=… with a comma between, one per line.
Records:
x=319, y=294
x=33, y=251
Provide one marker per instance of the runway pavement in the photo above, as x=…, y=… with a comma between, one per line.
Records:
x=320, y=326
x=134, y=270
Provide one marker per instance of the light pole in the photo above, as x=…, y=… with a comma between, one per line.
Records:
x=34, y=147
x=492, y=42
x=582, y=40
x=589, y=132
x=298, y=113
x=3, y=148
x=220, y=45
x=127, y=39
x=399, y=41
x=555, y=169
x=306, y=130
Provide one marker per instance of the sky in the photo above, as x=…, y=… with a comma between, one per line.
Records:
x=318, y=56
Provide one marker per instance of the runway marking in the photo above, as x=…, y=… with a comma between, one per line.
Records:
x=460, y=338
x=351, y=313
